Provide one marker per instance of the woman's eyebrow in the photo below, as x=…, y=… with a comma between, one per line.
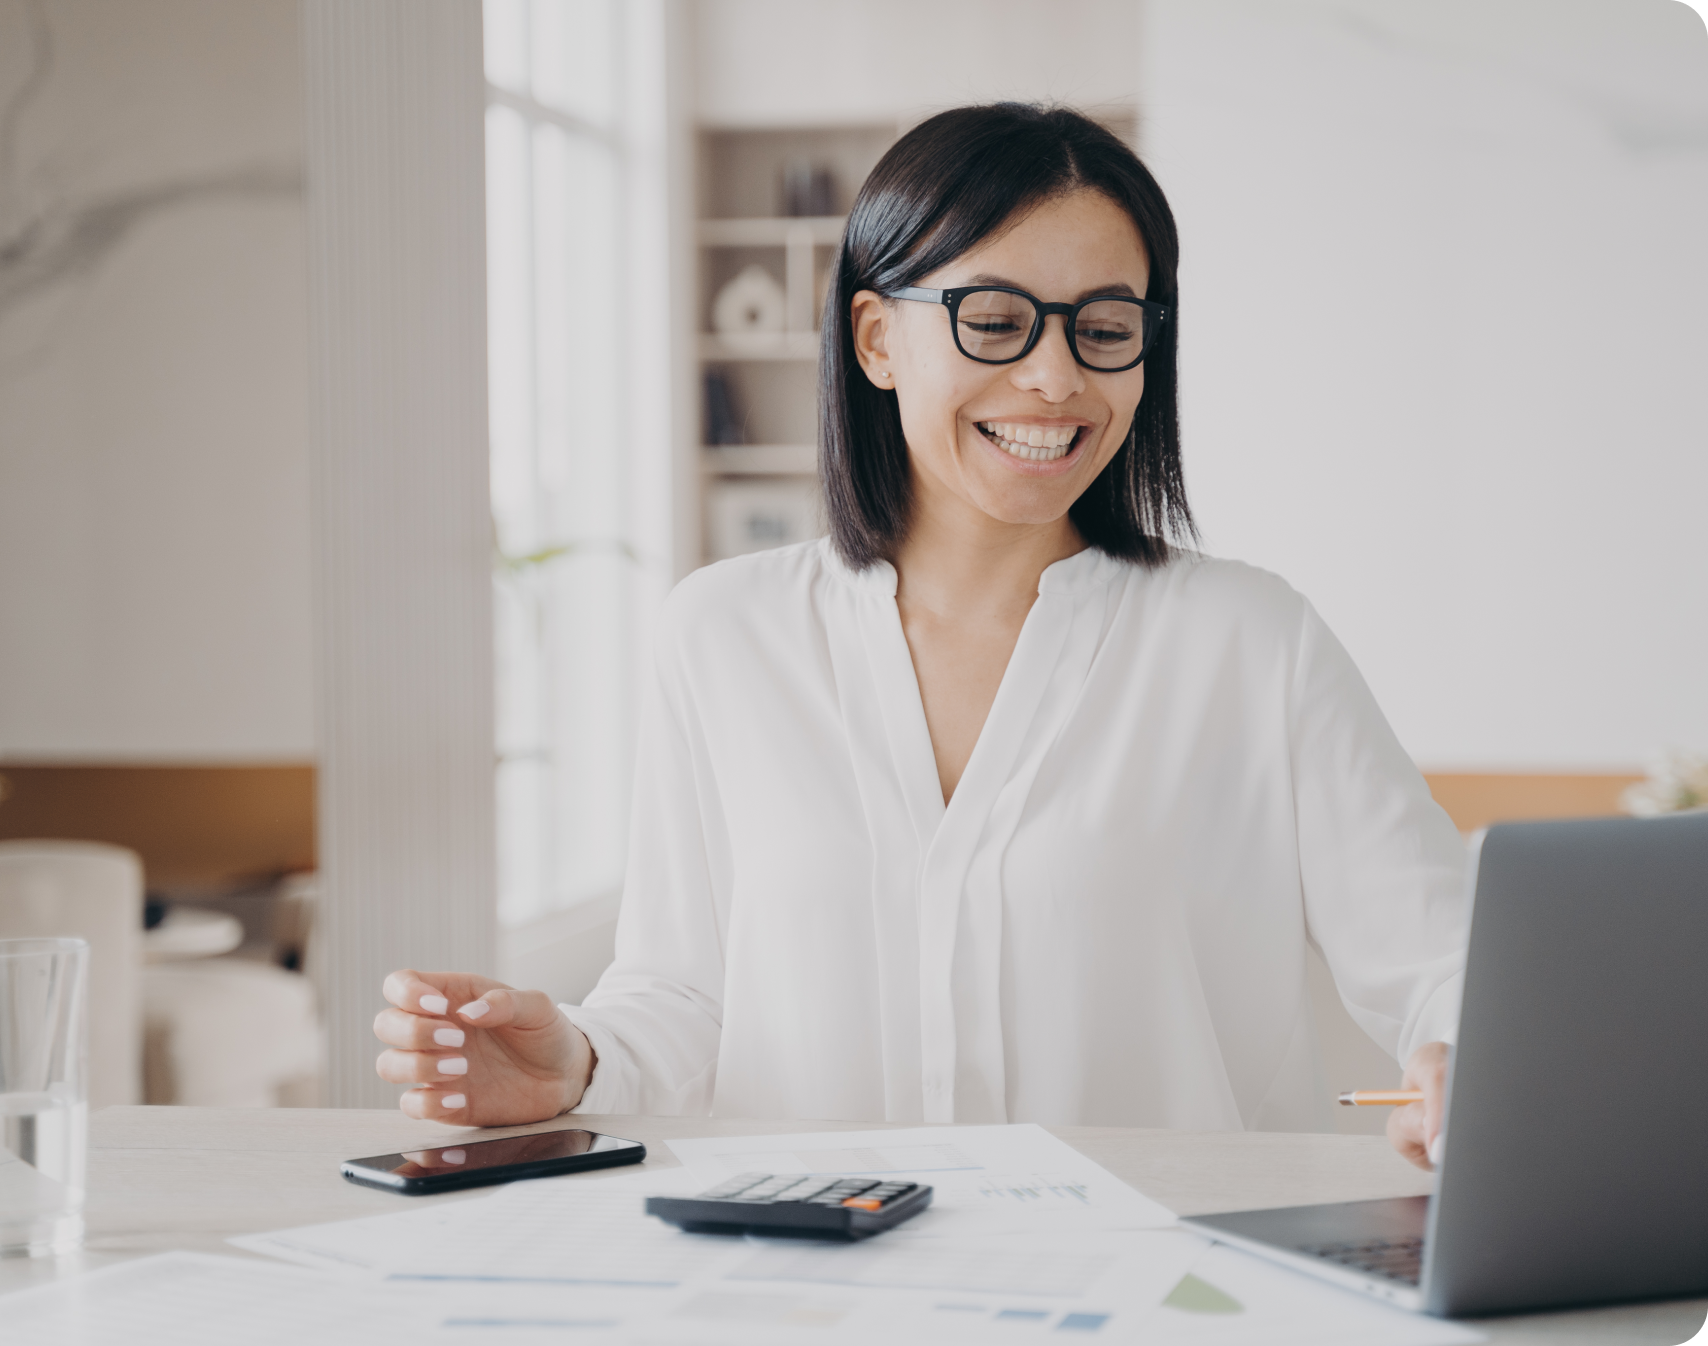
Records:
x=1114, y=287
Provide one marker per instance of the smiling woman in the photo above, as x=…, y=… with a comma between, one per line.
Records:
x=1001, y=803
x=950, y=199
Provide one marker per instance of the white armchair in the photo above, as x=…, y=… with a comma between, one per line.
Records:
x=86, y=890
x=213, y=1032
x=229, y=1033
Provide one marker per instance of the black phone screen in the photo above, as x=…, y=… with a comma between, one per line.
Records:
x=472, y=1162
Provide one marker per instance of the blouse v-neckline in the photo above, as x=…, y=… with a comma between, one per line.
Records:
x=1037, y=651
x=955, y=896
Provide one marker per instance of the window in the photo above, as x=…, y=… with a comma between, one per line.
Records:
x=563, y=567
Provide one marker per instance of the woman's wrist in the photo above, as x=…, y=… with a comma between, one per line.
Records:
x=578, y=1073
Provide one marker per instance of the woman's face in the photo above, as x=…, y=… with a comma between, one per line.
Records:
x=969, y=426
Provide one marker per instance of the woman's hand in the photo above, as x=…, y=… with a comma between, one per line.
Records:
x=1415, y=1129
x=480, y=1053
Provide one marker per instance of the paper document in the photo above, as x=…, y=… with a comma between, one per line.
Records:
x=1163, y=1288
x=1012, y=1287
x=193, y=1299
x=560, y=1253
x=986, y=1179
x=565, y=1232
x=1064, y=1266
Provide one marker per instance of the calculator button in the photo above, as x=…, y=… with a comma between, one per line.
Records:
x=768, y=1191
x=731, y=1188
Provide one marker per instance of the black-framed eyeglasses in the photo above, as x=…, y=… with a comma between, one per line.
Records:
x=997, y=325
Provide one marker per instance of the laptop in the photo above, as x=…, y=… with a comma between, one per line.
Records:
x=1575, y=1162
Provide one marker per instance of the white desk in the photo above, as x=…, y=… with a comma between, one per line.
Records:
x=164, y=1178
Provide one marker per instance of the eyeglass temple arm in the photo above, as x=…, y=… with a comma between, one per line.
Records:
x=915, y=292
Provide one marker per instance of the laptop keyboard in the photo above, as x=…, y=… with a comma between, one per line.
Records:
x=1398, y=1260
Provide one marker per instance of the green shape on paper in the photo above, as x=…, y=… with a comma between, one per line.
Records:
x=1195, y=1296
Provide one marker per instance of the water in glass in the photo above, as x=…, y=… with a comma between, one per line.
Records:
x=44, y=1113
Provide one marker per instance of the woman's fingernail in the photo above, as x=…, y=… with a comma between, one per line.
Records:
x=1435, y=1148
x=474, y=1009
x=454, y=1065
x=454, y=1156
x=448, y=1037
x=435, y=1004
x=452, y=1102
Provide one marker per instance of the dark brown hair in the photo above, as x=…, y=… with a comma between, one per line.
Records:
x=943, y=188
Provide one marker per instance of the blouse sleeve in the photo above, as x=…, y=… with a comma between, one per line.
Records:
x=1382, y=866
x=655, y=1016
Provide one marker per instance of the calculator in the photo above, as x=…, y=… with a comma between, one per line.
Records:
x=795, y=1206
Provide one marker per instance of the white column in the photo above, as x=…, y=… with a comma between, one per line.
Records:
x=396, y=207
x=661, y=281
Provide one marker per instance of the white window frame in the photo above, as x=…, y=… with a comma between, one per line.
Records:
x=565, y=549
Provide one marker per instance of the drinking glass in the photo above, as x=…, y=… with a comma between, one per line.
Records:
x=44, y=1109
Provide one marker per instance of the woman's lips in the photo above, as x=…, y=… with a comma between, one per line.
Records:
x=1050, y=459
x=1033, y=443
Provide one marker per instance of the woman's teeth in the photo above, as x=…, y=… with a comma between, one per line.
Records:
x=1039, y=443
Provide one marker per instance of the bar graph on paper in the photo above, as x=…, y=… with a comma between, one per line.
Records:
x=1035, y=1191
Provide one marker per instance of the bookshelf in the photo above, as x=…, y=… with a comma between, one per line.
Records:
x=758, y=460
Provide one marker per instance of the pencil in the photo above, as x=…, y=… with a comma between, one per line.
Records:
x=1380, y=1098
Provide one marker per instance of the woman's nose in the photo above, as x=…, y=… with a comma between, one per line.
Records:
x=1049, y=367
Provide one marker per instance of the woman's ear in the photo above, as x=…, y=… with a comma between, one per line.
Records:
x=871, y=318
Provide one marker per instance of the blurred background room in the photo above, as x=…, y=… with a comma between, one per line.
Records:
x=371, y=369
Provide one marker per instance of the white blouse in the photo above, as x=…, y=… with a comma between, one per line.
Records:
x=1182, y=780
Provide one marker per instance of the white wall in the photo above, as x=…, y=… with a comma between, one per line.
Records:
x=771, y=62
x=154, y=495
x=1444, y=339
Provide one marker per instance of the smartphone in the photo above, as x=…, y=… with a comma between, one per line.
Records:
x=476, y=1163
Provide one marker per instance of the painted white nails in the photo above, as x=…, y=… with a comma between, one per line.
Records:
x=474, y=1009
x=454, y=1156
x=454, y=1065
x=448, y=1037
x=452, y=1102
x=435, y=1004
x=1436, y=1146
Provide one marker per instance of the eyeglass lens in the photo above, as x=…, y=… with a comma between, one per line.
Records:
x=994, y=325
